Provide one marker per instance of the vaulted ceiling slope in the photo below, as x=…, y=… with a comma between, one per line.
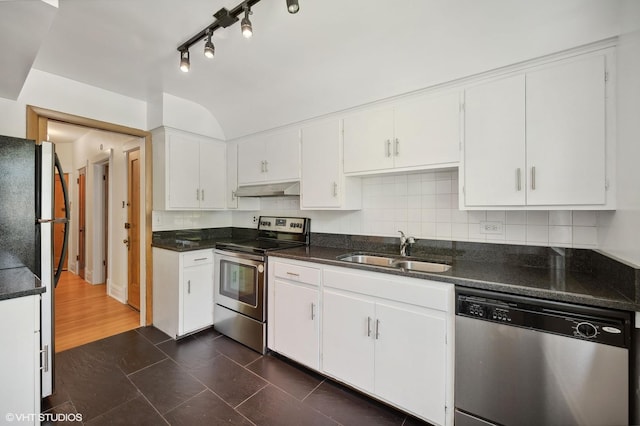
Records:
x=332, y=55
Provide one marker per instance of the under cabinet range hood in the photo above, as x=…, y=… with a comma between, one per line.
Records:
x=269, y=190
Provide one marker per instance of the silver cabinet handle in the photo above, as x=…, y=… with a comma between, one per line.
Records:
x=388, y=144
x=293, y=274
x=189, y=287
x=397, y=147
x=368, y=326
x=335, y=189
x=518, y=179
x=197, y=194
x=313, y=311
x=45, y=361
x=377, y=329
x=266, y=166
x=262, y=166
x=200, y=259
x=233, y=195
x=202, y=194
x=533, y=178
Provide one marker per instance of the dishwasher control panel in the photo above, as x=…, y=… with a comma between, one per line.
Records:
x=578, y=322
x=491, y=310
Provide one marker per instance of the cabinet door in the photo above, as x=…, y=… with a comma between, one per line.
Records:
x=368, y=141
x=213, y=171
x=232, y=175
x=494, y=147
x=183, y=176
x=427, y=131
x=296, y=322
x=19, y=357
x=566, y=133
x=321, y=174
x=251, y=157
x=410, y=359
x=197, y=298
x=282, y=156
x=347, y=339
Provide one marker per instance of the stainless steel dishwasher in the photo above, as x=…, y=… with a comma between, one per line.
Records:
x=525, y=361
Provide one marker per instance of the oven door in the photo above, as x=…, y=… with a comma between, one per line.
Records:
x=240, y=282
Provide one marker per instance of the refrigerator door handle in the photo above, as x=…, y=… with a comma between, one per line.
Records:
x=64, y=220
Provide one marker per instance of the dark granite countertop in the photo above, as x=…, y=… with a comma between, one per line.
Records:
x=18, y=282
x=536, y=281
x=198, y=239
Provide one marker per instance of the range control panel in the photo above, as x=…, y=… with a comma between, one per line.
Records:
x=295, y=225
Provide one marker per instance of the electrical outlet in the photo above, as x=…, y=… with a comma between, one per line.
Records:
x=491, y=227
x=255, y=219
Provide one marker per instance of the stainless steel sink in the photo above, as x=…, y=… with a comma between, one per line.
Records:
x=368, y=259
x=395, y=262
x=417, y=265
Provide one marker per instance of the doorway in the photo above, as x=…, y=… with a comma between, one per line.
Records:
x=133, y=229
x=37, y=122
x=82, y=221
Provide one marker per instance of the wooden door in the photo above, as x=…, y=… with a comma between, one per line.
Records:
x=133, y=237
x=82, y=194
x=105, y=180
x=58, y=228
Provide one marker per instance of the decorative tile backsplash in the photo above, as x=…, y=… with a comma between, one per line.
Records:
x=424, y=205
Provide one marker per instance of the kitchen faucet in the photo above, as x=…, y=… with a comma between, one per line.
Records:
x=405, y=244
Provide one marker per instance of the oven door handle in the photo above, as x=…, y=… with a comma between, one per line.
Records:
x=232, y=256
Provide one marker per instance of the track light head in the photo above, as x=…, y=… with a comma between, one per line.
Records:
x=293, y=6
x=245, y=24
x=185, y=64
x=209, y=48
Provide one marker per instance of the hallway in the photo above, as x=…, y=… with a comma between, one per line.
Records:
x=84, y=313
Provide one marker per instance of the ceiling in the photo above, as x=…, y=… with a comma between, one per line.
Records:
x=332, y=55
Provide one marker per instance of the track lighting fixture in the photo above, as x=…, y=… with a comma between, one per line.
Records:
x=224, y=18
x=185, y=64
x=293, y=6
x=209, y=48
x=245, y=24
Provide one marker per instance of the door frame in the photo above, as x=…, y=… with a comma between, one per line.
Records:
x=37, y=119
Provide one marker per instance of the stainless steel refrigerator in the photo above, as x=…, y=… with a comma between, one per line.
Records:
x=26, y=228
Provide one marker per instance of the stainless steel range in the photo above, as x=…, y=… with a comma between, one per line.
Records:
x=240, y=310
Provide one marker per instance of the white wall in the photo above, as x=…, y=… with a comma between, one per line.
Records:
x=172, y=111
x=619, y=231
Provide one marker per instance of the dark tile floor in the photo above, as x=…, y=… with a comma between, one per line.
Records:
x=142, y=377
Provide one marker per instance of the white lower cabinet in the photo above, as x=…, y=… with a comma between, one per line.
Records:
x=182, y=291
x=294, y=304
x=386, y=335
x=20, y=357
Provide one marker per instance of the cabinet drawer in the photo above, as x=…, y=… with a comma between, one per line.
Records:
x=196, y=258
x=297, y=273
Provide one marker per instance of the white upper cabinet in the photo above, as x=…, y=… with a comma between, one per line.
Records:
x=416, y=133
x=189, y=171
x=539, y=138
x=494, y=150
x=271, y=157
x=566, y=133
x=427, y=131
x=323, y=185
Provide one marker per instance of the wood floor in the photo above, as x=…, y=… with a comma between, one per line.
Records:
x=84, y=313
